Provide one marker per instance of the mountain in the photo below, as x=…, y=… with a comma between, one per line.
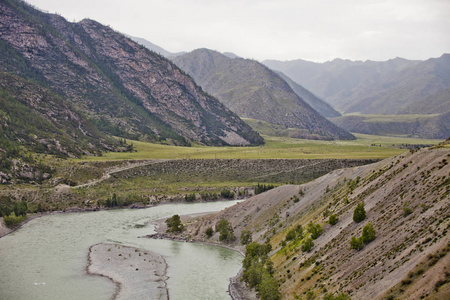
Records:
x=318, y=104
x=155, y=48
x=406, y=202
x=416, y=126
x=253, y=91
x=371, y=87
x=121, y=87
x=433, y=104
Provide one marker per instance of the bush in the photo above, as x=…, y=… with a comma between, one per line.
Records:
x=174, y=224
x=307, y=245
x=12, y=220
x=209, y=232
x=227, y=194
x=190, y=197
x=356, y=243
x=295, y=233
x=332, y=220
x=315, y=230
x=368, y=234
x=359, y=214
x=366, y=237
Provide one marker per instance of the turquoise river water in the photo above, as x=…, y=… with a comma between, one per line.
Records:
x=47, y=257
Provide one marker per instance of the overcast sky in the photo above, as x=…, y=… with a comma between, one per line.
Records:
x=316, y=30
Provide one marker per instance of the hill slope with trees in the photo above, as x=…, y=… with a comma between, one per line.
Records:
x=378, y=231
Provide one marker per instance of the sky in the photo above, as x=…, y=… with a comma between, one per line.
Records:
x=314, y=30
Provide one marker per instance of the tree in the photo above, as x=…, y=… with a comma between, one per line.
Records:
x=268, y=288
x=246, y=237
x=356, y=243
x=359, y=214
x=315, y=230
x=174, y=224
x=368, y=233
x=332, y=220
x=226, y=231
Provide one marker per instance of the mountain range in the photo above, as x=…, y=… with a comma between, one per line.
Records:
x=119, y=86
x=396, y=86
x=253, y=91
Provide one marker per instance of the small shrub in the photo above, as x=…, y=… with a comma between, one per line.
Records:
x=333, y=219
x=307, y=245
x=209, y=232
x=12, y=220
x=190, y=197
x=315, y=230
x=406, y=209
x=368, y=233
x=356, y=243
x=227, y=194
x=359, y=214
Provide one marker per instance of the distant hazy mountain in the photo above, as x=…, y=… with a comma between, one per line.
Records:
x=372, y=87
x=153, y=47
x=318, y=104
x=120, y=87
x=421, y=126
x=253, y=91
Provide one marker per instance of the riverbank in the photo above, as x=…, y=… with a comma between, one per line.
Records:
x=237, y=289
x=136, y=272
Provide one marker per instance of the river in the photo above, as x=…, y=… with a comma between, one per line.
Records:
x=47, y=257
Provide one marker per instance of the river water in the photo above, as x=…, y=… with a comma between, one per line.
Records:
x=47, y=257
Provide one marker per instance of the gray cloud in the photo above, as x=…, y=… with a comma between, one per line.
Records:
x=316, y=30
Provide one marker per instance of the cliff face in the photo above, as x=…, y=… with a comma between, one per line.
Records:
x=253, y=91
x=124, y=88
x=406, y=200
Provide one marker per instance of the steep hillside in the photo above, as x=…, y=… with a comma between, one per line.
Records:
x=318, y=104
x=371, y=87
x=421, y=126
x=253, y=91
x=155, y=48
x=124, y=88
x=34, y=120
x=406, y=199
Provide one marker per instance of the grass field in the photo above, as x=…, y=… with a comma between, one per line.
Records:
x=275, y=147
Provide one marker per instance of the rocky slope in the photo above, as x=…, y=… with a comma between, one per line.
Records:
x=253, y=91
x=122, y=87
x=406, y=200
x=318, y=104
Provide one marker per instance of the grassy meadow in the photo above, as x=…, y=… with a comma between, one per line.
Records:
x=364, y=147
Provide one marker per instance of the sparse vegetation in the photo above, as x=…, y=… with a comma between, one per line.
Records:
x=246, y=237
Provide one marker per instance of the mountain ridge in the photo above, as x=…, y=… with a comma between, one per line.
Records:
x=370, y=87
x=123, y=88
x=254, y=91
